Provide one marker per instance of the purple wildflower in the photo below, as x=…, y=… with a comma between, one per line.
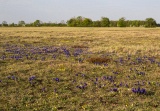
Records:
x=139, y=90
x=67, y=53
x=105, y=64
x=32, y=78
x=43, y=89
x=115, y=90
x=57, y=79
x=13, y=77
x=76, y=74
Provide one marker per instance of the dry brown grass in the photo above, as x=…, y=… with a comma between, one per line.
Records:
x=106, y=53
x=121, y=40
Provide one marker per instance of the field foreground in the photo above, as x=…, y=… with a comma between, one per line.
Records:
x=71, y=69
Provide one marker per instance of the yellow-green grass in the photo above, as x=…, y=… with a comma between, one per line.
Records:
x=37, y=73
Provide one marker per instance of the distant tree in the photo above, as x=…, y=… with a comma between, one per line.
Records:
x=113, y=23
x=105, y=22
x=142, y=23
x=49, y=24
x=61, y=24
x=11, y=25
x=79, y=21
x=87, y=22
x=150, y=22
x=137, y=23
x=21, y=23
x=72, y=22
x=121, y=22
x=37, y=23
x=127, y=23
x=96, y=23
x=4, y=23
x=133, y=23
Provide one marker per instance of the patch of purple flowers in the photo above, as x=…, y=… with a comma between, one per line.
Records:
x=152, y=60
x=139, y=90
x=32, y=78
x=114, y=90
x=82, y=86
x=66, y=52
x=141, y=73
x=11, y=77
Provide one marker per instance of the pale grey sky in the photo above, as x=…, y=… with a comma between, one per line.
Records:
x=57, y=10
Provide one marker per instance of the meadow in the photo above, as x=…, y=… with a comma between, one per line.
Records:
x=74, y=69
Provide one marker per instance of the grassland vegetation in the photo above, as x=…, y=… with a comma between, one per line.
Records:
x=50, y=69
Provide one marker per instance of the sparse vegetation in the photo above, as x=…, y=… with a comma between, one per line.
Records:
x=50, y=69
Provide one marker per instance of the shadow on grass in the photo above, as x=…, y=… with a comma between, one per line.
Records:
x=2, y=62
x=79, y=46
x=150, y=93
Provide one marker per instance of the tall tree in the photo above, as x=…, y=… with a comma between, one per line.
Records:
x=79, y=21
x=4, y=23
x=150, y=22
x=72, y=22
x=121, y=22
x=37, y=23
x=87, y=22
x=105, y=22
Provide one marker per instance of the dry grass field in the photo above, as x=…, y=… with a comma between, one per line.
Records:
x=70, y=69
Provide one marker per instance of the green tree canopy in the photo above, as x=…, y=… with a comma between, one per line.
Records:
x=87, y=22
x=121, y=22
x=150, y=22
x=105, y=22
x=96, y=23
x=72, y=22
x=79, y=22
x=37, y=23
x=4, y=23
x=113, y=23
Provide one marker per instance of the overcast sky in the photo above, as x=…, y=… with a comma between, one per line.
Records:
x=57, y=10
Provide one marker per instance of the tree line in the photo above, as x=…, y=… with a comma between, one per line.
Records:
x=105, y=22
x=87, y=22
x=36, y=23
